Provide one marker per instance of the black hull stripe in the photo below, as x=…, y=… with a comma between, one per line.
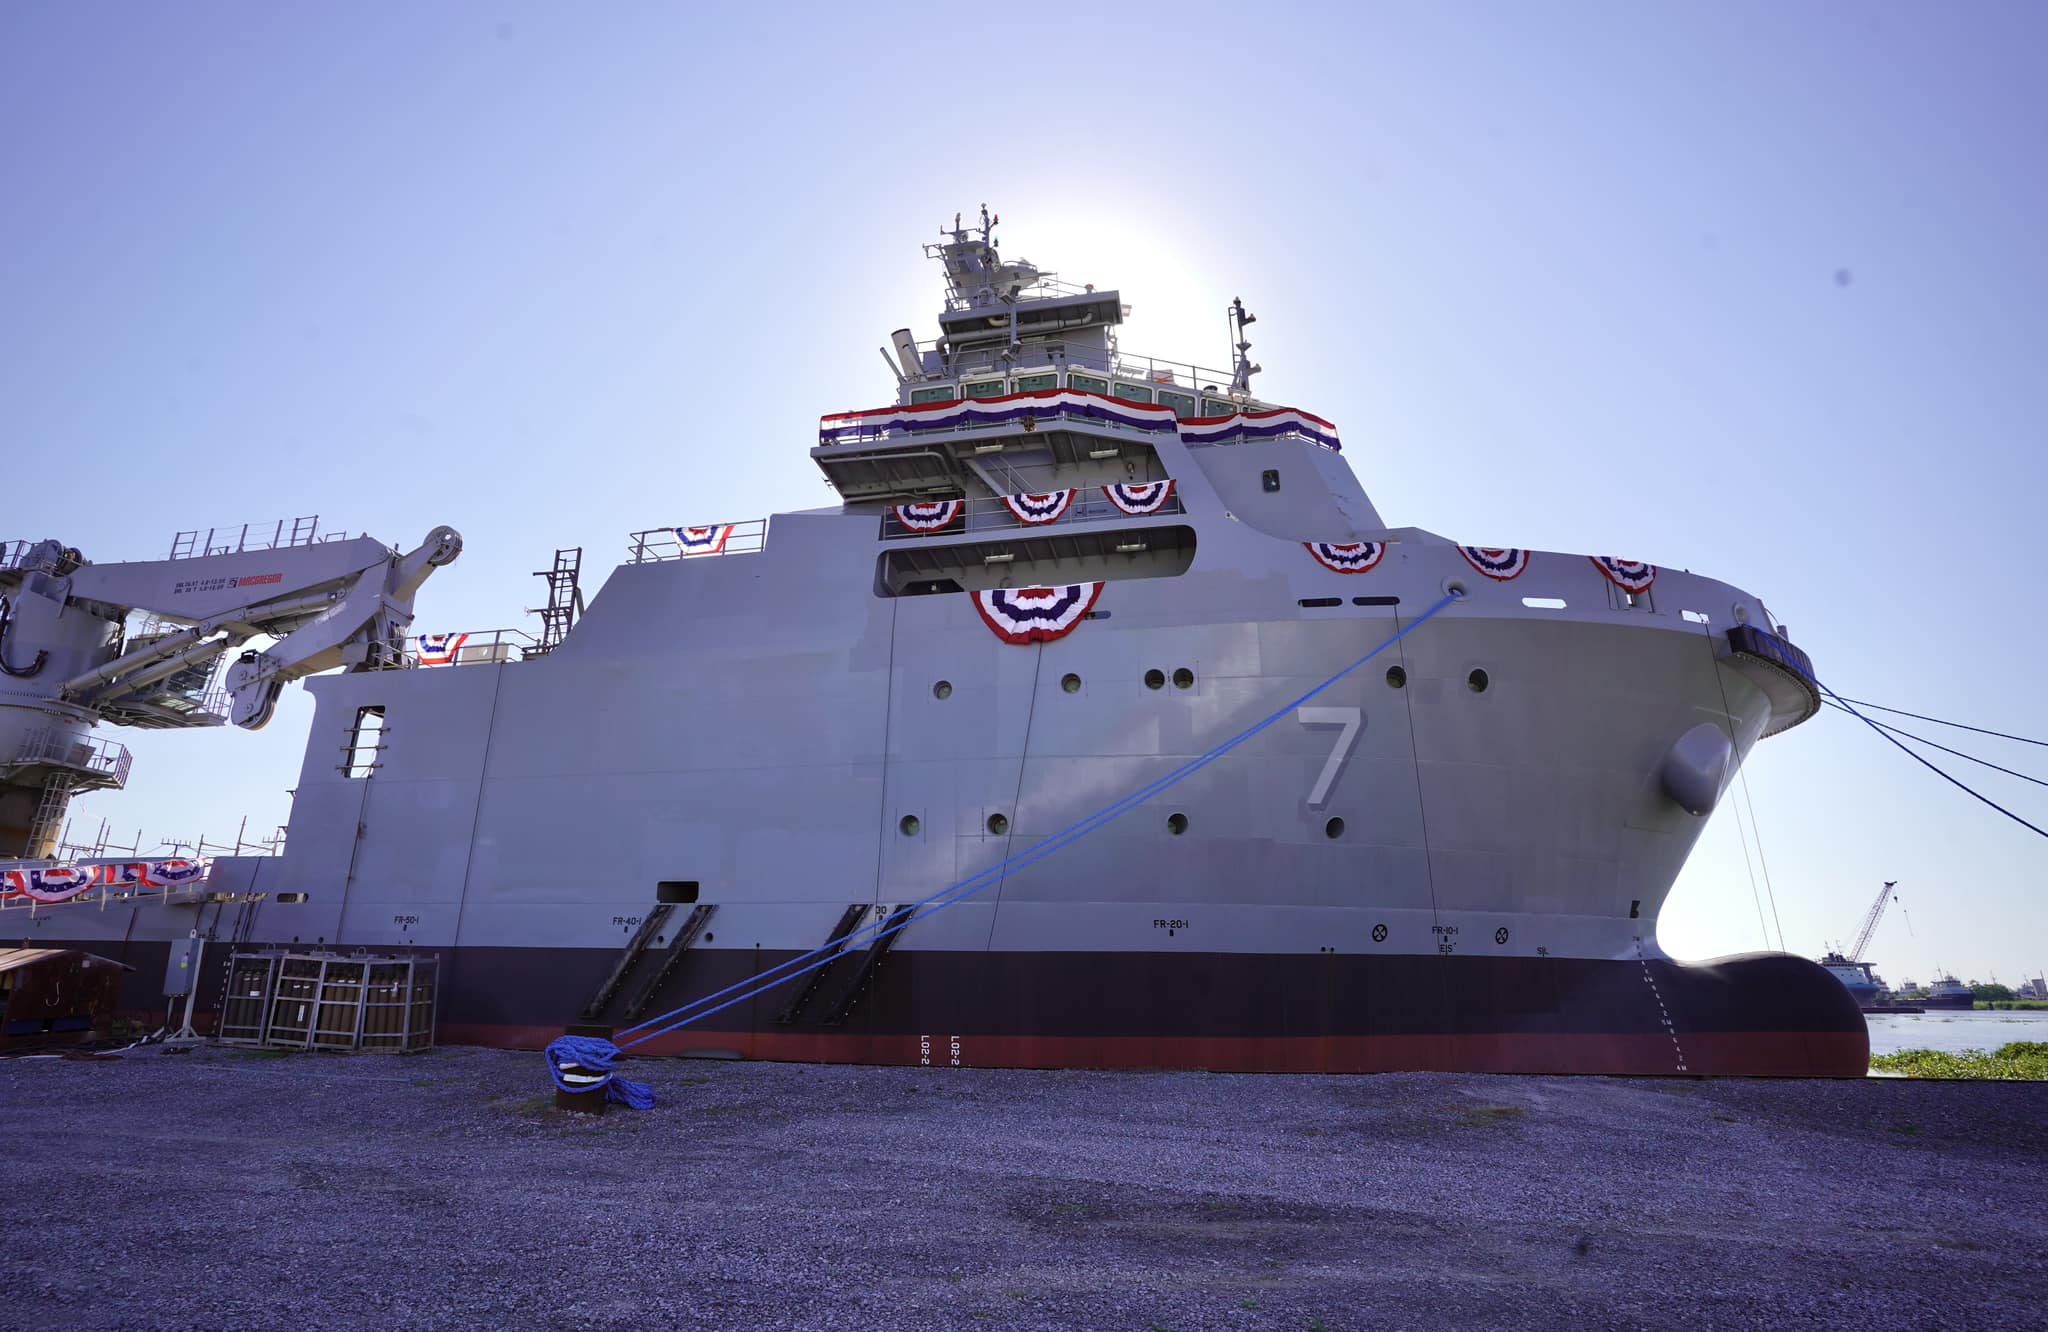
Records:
x=1767, y=1014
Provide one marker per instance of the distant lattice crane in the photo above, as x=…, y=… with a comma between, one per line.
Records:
x=1870, y=919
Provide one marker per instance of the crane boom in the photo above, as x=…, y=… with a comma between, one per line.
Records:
x=1870, y=919
x=70, y=658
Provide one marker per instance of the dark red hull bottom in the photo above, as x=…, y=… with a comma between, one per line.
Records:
x=1755, y=1015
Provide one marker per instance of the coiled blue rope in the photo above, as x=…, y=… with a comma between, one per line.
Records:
x=595, y=1055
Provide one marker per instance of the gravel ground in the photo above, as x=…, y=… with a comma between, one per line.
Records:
x=235, y=1189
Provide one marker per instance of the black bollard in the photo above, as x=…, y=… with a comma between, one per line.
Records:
x=586, y=1102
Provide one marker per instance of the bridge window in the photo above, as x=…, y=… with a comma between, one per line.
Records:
x=1133, y=393
x=1087, y=384
x=931, y=395
x=1183, y=404
x=987, y=388
x=1213, y=407
x=1035, y=383
x=360, y=755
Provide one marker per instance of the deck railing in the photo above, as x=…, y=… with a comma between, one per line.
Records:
x=685, y=543
x=990, y=514
x=1153, y=372
x=99, y=762
x=275, y=534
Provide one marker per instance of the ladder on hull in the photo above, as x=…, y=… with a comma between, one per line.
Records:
x=677, y=946
x=854, y=986
x=635, y=946
x=848, y=971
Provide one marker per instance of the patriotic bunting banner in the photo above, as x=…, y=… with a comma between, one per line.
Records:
x=1034, y=510
x=1347, y=557
x=1036, y=614
x=994, y=411
x=935, y=517
x=440, y=649
x=1628, y=575
x=704, y=540
x=1260, y=425
x=62, y=883
x=1496, y=562
x=971, y=412
x=1138, y=501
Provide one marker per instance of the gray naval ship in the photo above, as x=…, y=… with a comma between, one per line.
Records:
x=1058, y=573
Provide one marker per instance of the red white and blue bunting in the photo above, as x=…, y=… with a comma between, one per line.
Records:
x=62, y=883
x=1036, y=510
x=1500, y=563
x=1351, y=557
x=1628, y=575
x=841, y=427
x=1260, y=425
x=440, y=649
x=1138, y=501
x=704, y=540
x=934, y=517
x=1036, y=614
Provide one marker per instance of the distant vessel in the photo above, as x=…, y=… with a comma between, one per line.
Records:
x=1866, y=986
x=1948, y=992
x=1055, y=574
x=1860, y=977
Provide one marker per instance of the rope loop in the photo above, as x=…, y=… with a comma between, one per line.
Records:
x=581, y=1064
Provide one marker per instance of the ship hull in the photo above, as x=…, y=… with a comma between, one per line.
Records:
x=1756, y=1015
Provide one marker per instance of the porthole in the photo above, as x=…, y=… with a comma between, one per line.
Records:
x=998, y=825
x=1183, y=678
x=709, y=936
x=943, y=689
x=1396, y=678
x=908, y=825
x=1477, y=681
x=1071, y=683
x=1176, y=823
x=1155, y=679
x=1334, y=829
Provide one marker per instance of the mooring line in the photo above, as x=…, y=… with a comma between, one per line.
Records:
x=903, y=917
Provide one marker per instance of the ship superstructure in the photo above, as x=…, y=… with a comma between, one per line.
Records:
x=1056, y=573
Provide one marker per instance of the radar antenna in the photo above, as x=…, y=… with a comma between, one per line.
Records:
x=1241, y=367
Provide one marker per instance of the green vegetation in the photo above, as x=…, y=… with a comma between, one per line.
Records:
x=1990, y=993
x=2020, y=1061
x=2012, y=1003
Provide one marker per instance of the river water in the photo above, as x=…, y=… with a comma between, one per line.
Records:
x=1953, y=1031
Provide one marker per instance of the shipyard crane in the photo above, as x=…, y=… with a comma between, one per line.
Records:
x=72, y=658
x=1870, y=919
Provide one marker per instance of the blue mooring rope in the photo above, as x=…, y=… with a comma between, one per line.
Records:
x=1924, y=761
x=595, y=1055
x=599, y=1055
x=903, y=917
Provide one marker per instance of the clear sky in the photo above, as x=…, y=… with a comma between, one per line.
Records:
x=1758, y=290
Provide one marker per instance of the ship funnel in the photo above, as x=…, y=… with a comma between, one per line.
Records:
x=906, y=353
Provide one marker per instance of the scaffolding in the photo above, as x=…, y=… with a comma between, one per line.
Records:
x=286, y=1000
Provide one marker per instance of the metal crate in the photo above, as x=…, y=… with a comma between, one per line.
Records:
x=329, y=1001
